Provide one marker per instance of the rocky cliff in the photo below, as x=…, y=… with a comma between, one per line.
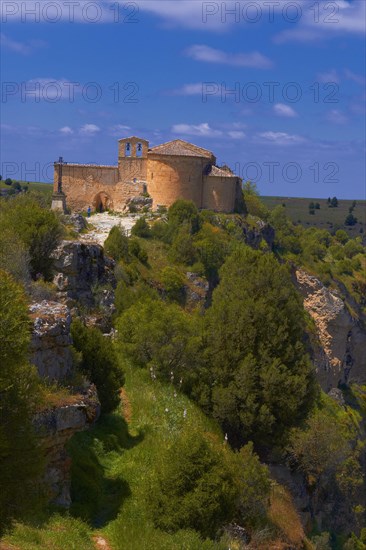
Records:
x=339, y=355
x=50, y=352
x=56, y=426
x=50, y=341
x=80, y=268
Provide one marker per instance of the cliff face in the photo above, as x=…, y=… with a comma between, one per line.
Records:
x=80, y=267
x=50, y=352
x=50, y=341
x=56, y=426
x=340, y=356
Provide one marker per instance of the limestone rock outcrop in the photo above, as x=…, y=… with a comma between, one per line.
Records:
x=79, y=268
x=340, y=357
x=56, y=426
x=50, y=340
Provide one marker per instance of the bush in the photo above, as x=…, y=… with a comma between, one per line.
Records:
x=21, y=458
x=161, y=337
x=99, y=363
x=116, y=244
x=135, y=249
x=182, y=250
x=8, y=181
x=37, y=227
x=173, y=282
x=195, y=488
x=141, y=229
x=14, y=256
x=126, y=296
x=184, y=212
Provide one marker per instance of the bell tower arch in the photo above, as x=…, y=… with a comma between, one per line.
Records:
x=132, y=159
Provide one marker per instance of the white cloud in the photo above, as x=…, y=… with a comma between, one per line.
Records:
x=337, y=117
x=358, y=78
x=202, y=129
x=120, y=130
x=325, y=19
x=89, y=130
x=200, y=52
x=66, y=131
x=280, y=138
x=24, y=48
x=236, y=134
x=189, y=89
x=283, y=110
x=329, y=76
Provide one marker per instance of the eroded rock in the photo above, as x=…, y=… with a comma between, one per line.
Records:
x=50, y=340
x=340, y=357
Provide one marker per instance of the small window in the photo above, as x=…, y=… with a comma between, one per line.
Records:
x=134, y=180
x=139, y=150
x=128, y=149
x=152, y=175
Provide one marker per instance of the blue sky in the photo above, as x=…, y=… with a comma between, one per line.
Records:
x=275, y=88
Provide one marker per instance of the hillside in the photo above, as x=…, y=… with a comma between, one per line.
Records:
x=297, y=209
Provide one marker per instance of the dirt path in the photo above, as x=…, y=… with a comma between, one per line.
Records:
x=101, y=224
x=101, y=543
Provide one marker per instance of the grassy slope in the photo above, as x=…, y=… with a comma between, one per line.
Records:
x=33, y=186
x=298, y=211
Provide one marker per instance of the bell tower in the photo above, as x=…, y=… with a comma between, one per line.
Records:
x=132, y=159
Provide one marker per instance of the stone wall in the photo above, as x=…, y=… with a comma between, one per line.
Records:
x=82, y=184
x=175, y=178
x=219, y=193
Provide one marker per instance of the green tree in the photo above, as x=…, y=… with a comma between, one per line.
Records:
x=116, y=244
x=99, y=363
x=259, y=381
x=212, y=246
x=195, y=488
x=141, y=229
x=350, y=220
x=334, y=202
x=14, y=256
x=21, y=458
x=182, y=250
x=173, y=282
x=8, y=181
x=184, y=212
x=38, y=228
x=161, y=337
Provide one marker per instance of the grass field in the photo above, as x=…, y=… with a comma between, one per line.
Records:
x=33, y=186
x=297, y=210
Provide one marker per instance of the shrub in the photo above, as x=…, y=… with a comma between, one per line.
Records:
x=173, y=282
x=182, y=249
x=126, y=296
x=14, y=256
x=195, y=488
x=99, y=363
x=37, y=227
x=184, y=212
x=116, y=244
x=141, y=229
x=135, y=249
x=20, y=455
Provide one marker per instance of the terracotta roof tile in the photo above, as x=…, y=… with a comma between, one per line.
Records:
x=181, y=148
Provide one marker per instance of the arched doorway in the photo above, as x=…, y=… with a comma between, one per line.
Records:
x=102, y=202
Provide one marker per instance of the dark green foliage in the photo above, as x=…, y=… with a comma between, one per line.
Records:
x=212, y=245
x=202, y=485
x=350, y=219
x=195, y=489
x=135, y=249
x=173, y=283
x=259, y=380
x=21, y=459
x=182, y=250
x=8, y=181
x=333, y=203
x=99, y=363
x=184, y=212
x=127, y=295
x=116, y=244
x=141, y=229
x=159, y=336
x=38, y=229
